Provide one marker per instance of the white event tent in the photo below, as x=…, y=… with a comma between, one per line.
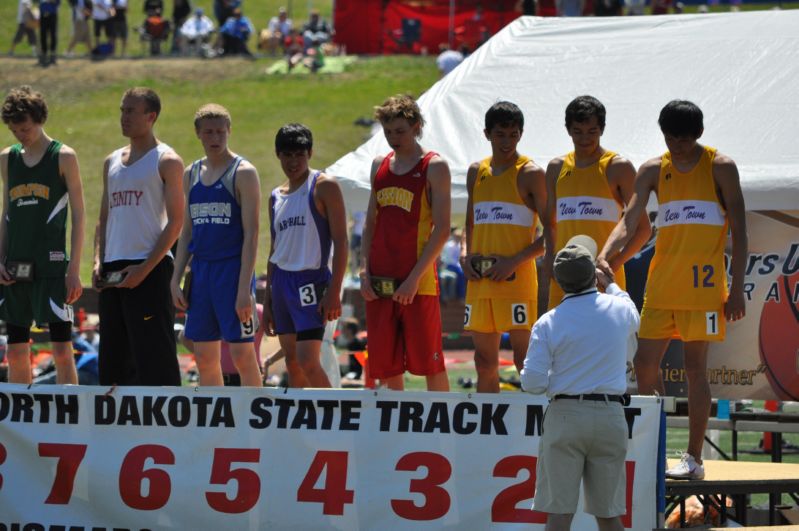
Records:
x=742, y=69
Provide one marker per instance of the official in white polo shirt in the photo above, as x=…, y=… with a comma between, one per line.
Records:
x=578, y=356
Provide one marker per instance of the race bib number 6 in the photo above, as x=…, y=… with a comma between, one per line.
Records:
x=467, y=315
x=519, y=314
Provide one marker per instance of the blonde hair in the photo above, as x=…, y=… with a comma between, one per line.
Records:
x=211, y=111
x=400, y=106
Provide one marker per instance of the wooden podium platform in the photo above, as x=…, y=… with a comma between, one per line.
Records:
x=736, y=480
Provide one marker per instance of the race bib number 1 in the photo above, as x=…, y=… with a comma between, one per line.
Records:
x=308, y=295
x=712, y=322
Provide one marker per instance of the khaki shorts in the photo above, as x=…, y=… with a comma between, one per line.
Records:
x=499, y=315
x=584, y=440
x=688, y=325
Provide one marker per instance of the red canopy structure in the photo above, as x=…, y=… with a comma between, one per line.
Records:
x=413, y=26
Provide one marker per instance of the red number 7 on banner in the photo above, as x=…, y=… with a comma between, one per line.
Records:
x=69, y=457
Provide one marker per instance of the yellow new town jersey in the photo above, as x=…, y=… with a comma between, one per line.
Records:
x=687, y=271
x=584, y=205
x=503, y=226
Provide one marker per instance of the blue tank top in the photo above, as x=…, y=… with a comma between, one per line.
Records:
x=216, y=229
x=300, y=234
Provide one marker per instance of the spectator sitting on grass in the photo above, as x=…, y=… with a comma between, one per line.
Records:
x=235, y=32
x=315, y=30
x=276, y=31
x=313, y=59
x=197, y=31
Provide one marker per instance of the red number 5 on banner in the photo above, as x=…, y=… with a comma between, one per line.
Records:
x=249, y=484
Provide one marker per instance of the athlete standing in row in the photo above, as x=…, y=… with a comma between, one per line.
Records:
x=699, y=196
x=141, y=214
x=506, y=192
x=39, y=281
x=307, y=217
x=407, y=225
x=587, y=191
x=220, y=236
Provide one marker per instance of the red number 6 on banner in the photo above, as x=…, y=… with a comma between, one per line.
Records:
x=132, y=474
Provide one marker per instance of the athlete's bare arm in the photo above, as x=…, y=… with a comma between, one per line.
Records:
x=182, y=256
x=248, y=194
x=438, y=182
x=728, y=183
x=621, y=178
x=99, y=230
x=466, y=253
x=5, y=278
x=171, y=169
x=330, y=202
x=269, y=320
x=550, y=232
x=645, y=183
x=368, y=232
x=70, y=170
x=531, y=184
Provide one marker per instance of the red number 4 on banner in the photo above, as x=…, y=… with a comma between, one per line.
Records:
x=334, y=495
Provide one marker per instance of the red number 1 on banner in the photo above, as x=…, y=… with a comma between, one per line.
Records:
x=334, y=495
x=69, y=458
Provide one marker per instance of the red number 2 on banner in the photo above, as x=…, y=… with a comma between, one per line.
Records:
x=334, y=495
x=132, y=474
x=3, y=455
x=504, y=507
x=249, y=484
x=437, y=500
x=69, y=458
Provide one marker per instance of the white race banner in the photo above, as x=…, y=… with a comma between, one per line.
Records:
x=233, y=458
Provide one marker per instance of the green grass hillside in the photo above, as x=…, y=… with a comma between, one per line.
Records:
x=84, y=101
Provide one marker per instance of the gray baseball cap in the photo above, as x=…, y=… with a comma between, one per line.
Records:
x=575, y=267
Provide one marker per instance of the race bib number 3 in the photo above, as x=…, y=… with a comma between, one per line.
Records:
x=308, y=295
x=712, y=323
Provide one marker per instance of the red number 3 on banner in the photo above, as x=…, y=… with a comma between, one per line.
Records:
x=436, y=498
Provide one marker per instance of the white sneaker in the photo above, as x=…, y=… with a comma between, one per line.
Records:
x=687, y=468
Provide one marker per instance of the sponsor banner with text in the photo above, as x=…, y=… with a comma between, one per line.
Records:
x=184, y=458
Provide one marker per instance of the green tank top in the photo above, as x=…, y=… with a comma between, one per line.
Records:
x=37, y=212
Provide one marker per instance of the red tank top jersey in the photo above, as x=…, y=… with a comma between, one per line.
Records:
x=404, y=223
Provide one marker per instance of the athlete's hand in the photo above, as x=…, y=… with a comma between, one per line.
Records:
x=244, y=305
x=5, y=277
x=97, y=276
x=330, y=306
x=367, y=292
x=406, y=292
x=502, y=269
x=177, y=295
x=468, y=270
x=603, y=280
x=269, y=321
x=74, y=287
x=735, y=307
x=134, y=275
x=603, y=265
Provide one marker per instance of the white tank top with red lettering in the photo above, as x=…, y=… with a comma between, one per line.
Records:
x=136, y=207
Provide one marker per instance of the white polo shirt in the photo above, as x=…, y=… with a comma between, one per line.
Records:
x=582, y=345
